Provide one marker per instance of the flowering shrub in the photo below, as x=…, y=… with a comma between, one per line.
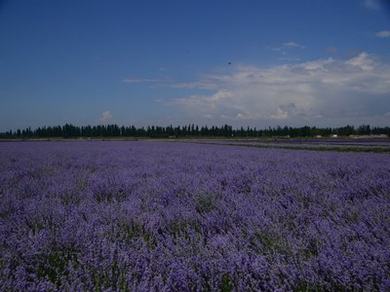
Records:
x=177, y=217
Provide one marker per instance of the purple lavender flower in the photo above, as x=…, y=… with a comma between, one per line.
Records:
x=166, y=216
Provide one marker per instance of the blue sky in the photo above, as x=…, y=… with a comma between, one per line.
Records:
x=258, y=63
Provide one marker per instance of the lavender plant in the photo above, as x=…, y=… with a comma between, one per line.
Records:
x=155, y=216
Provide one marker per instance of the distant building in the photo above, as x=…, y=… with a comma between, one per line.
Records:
x=334, y=136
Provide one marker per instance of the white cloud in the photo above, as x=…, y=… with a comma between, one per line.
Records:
x=280, y=114
x=197, y=84
x=140, y=80
x=106, y=117
x=314, y=92
x=293, y=45
x=317, y=64
x=285, y=47
x=289, y=59
x=362, y=61
x=383, y=34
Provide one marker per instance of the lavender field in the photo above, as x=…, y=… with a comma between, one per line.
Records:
x=160, y=216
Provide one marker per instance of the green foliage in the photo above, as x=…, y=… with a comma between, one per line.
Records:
x=128, y=232
x=304, y=286
x=181, y=228
x=115, y=278
x=312, y=249
x=267, y=243
x=226, y=283
x=53, y=265
x=205, y=203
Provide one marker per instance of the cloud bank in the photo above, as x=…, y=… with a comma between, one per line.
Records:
x=319, y=92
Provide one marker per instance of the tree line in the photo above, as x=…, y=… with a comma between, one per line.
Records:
x=191, y=130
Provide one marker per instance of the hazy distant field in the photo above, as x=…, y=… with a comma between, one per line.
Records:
x=146, y=215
